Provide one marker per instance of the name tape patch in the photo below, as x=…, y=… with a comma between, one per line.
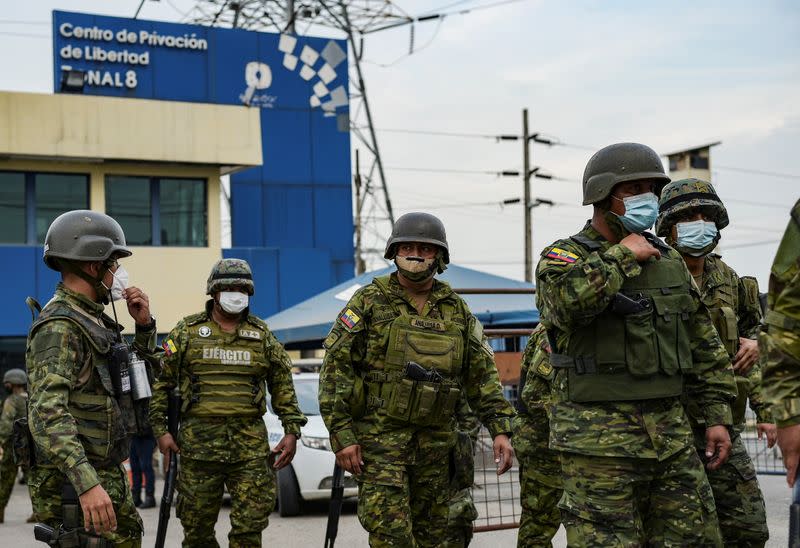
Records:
x=425, y=323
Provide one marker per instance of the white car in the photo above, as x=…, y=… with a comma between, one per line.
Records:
x=310, y=475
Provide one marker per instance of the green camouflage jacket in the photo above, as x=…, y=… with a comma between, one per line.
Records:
x=225, y=438
x=62, y=366
x=780, y=341
x=358, y=343
x=14, y=407
x=573, y=287
x=531, y=426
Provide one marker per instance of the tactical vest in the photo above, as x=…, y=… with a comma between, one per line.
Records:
x=635, y=354
x=224, y=372
x=723, y=302
x=103, y=428
x=432, y=343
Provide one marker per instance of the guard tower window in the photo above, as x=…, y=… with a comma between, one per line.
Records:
x=697, y=161
x=159, y=211
x=30, y=201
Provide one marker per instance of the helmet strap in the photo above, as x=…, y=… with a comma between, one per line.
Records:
x=100, y=289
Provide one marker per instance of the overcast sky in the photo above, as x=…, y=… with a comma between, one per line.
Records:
x=668, y=74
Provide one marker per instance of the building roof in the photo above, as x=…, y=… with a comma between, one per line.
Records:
x=692, y=149
x=311, y=319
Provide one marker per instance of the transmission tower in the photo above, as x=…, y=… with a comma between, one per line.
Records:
x=355, y=19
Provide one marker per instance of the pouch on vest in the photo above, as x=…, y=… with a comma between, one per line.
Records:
x=425, y=394
x=672, y=315
x=640, y=344
x=22, y=445
x=724, y=319
x=400, y=400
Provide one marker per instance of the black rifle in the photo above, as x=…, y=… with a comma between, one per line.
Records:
x=623, y=305
x=416, y=372
x=173, y=416
x=794, y=518
x=70, y=532
x=335, y=508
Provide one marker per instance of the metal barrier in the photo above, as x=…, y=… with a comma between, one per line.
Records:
x=495, y=497
x=768, y=461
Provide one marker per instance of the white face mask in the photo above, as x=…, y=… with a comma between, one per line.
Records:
x=120, y=283
x=233, y=302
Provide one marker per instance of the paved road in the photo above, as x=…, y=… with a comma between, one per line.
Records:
x=309, y=530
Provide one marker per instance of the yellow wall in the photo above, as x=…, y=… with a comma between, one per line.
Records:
x=173, y=277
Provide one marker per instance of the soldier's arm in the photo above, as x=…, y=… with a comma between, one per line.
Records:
x=345, y=345
x=174, y=347
x=756, y=396
x=749, y=313
x=281, y=387
x=482, y=383
x=7, y=420
x=144, y=342
x=571, y=291
x=711, y=381
x=55, y=357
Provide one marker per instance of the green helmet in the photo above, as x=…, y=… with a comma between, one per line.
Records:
x=228, y=273
x=417, y=227
x=15, y=376
x=680, y=196
x=617, y=164
x=83, y=235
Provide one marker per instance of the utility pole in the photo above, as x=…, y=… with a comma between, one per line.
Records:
x=361, y=267
x=526, y=178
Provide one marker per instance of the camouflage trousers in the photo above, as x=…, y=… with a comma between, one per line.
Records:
x=45, y=485
x=251, y=484
x=406, y=505
x=624, y=502
x=740, y=504
x=461, y=515
x=8, y=475
x=540, y=491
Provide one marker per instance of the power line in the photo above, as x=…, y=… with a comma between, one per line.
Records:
x=758, y=172
x=24, y=34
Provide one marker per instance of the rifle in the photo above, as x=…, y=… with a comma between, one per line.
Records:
x=173, y=417
x=335, y=509
x=70, y=532
x=794, y=518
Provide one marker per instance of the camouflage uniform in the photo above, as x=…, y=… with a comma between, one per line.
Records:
x=631, y=475
x=67, y=363
x=14, y=407
x=540, y=467
x=462, y=511
x=779, y=343
x=222, y=437
x=403, y=487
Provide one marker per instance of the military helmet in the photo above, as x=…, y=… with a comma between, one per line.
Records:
x=15, y=376
x=228, y=273
x=83, y=235
x=417, y=227
x=680, y=196
x=617, y=164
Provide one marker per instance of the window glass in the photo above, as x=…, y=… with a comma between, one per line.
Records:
x=128, y=201
x=56, y=193
x=12, y=208
x=183, y=212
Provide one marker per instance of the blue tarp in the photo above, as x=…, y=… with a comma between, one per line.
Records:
x=311, y=319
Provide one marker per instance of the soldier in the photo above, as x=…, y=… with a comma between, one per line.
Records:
x=691, y=216
x=779, y=343
x=539, y=466
x=15, y=382
x=221, y=359
x=398, y=358
x=80, y=409
x=630, y=336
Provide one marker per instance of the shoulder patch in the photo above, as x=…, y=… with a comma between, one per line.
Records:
x=169, y=347
x=250, y=334
x=350, y=318
x=560, y=254
x=331, y=339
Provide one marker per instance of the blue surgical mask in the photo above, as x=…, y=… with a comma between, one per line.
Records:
x=640, y=212
x=696, y=236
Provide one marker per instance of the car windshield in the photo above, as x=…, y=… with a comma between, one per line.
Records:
x=306, y=390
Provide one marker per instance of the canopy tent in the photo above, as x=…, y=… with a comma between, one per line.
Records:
x=311, y=319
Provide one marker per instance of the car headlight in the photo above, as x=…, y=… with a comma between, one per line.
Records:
x=322, y=444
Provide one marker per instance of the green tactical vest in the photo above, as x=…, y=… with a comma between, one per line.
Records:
x=433, y=344
x=636, y=356
x=224, y=373
x=723, y=303
x=103, y=428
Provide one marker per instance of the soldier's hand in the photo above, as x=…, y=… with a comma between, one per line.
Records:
x=768, y=430
x=746, y=357
x=503, y=453
x=718, y=446
x=641, y=248
x=349, y=459
x=285, y=451
x=138, y=305
x=98, y=511
x=167, y=443
x=789, y=442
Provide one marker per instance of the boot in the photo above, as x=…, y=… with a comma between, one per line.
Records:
x=149, y=502
x=137, y=498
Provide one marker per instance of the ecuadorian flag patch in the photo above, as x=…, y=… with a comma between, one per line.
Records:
x=562, y=255
x=169, y=347
x=350, y=318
